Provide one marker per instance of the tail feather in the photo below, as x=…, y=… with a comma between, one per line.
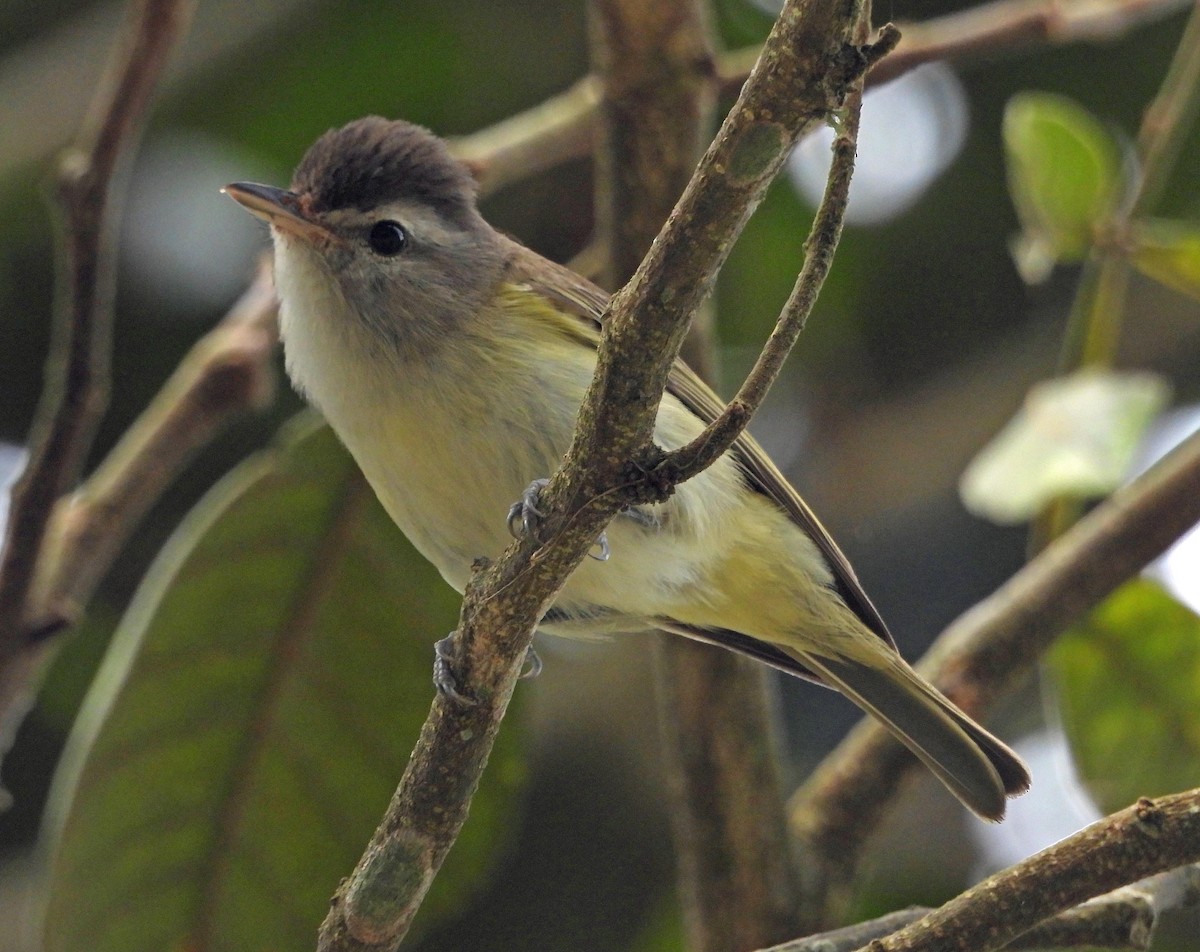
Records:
x=976, y=767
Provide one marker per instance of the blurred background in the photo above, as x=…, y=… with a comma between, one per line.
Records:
x=923, y=345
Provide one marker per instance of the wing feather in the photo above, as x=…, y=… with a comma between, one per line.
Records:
x=583, y=299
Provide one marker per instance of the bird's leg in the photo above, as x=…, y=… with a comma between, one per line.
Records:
x=444, y=678
x=524, y=517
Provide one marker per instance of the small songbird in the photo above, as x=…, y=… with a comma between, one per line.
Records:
x=452, y=360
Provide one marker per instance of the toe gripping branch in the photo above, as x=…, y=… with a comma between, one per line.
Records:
x=525, y=519
x=447, y=681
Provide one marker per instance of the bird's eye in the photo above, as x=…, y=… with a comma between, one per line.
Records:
x=387, y=238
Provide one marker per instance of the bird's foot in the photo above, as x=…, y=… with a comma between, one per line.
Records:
x=524, y=519
x=444, y=678
x=524, y=516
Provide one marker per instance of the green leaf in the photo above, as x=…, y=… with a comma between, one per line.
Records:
x=1128, y=683
x=1075, y=437
x=1064, y=175
x=251, y=719
x=1169, y=252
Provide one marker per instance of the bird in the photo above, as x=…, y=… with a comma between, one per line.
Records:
x=451, y=360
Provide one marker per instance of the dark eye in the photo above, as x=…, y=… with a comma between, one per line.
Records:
x=387, y=238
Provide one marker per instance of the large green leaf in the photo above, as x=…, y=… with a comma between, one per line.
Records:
x=1064, y=174
x=1129, y=691
x=253, y=715
x=1075, y=437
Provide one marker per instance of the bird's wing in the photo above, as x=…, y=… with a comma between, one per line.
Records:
x=583, y=299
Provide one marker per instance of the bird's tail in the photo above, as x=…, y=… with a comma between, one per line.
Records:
x=976, y=767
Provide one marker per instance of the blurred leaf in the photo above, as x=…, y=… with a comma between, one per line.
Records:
x=1075, y=436
x=251, y=720
x=664, y=933
x=1129, y=691
x=74, y=667
x=1169, y=252
x=1064, y=173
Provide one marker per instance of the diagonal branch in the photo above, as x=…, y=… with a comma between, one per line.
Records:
x=1151, y=836
x=226, y=373
x=991, y=648
x=1124, y=919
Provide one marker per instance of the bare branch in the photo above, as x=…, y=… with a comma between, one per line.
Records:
x=1123, y=919
x=76, y=389
x=1149, y=837
x=737, y=883
x=225, y=374
x=563, y=127
x=555, y=131
x=991, y=648
x=989, y=31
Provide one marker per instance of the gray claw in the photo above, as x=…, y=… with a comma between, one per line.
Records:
x=444, y=678
x=533, y=665
x=524, y=515
x=605, y=551
x=643, y=518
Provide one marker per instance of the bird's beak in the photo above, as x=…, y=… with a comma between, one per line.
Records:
x=277, y=207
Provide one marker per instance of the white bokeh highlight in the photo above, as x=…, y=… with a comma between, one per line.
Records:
x=181, y=238
x=1056, y=806
x=912, y=129
x=12, y=461
x=1178, y=569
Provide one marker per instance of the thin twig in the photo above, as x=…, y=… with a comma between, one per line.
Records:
x=554, y=131
x=991, y=648
x=226, y=373
x=76, y=390
x=563, y=128
x=804, y=75
x=1149, y=837
x=1168, y=122
x=819, y=248
x=983, y=33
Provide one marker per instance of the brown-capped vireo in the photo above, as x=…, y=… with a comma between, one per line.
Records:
x=452, y=360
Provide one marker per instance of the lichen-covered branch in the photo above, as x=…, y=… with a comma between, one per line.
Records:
x=818, y=258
